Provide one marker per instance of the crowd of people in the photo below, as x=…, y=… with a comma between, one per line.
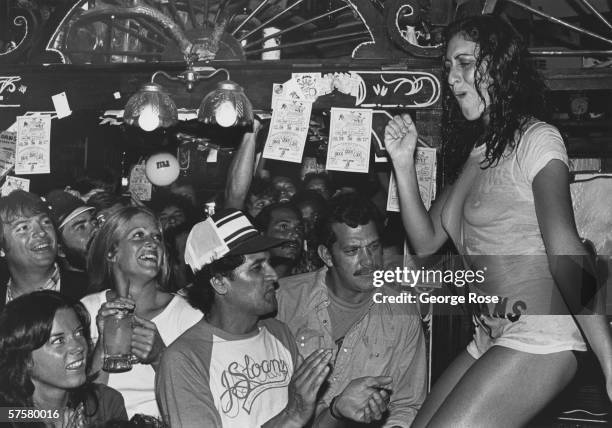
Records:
x=261, y=313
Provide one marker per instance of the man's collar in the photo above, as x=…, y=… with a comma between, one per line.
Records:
x=53, y=283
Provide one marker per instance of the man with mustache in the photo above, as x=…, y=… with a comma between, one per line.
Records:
x=283, y=220
x=28, y=244
x=75, y=224
x=238, y=367
x=333, y=308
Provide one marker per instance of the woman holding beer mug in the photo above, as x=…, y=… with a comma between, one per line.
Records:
x=127, y=260
x=45, y=355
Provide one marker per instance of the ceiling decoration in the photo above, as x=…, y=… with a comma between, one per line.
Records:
x=141, y=31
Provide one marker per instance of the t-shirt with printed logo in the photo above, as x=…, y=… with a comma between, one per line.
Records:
x=212, y=378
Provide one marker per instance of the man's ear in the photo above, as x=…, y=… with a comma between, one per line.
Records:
x=325, y=255
x=2, y=253
x=219, y=284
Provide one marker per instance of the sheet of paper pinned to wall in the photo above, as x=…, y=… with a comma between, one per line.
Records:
x=278, y=91
x=8, y=141
x=393, y=203
x=292, y=90
x=140, y=186
x=350, y=136
x=33, y=146
x=62, y=108
x=308, y=83
x=425, y=164
x=14, y=183
x=288, y=130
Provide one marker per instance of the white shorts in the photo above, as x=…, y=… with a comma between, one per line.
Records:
x=534, y=334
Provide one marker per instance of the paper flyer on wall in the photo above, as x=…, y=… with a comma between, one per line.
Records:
x=288, y=130
x=278, y=91
x=308, y=83
x=393, y=195
x=33, y=147
x=14, y=183
x=350, y=136
x=8, y=141
x=425, y=164
x=292, y=90
x=140, y=186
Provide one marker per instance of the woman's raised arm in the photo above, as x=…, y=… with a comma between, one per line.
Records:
x=425, y=232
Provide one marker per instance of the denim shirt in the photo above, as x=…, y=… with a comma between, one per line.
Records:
x=387, y=341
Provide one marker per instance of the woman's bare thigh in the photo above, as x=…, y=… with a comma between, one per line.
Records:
x=505, y=388
x=443, y=386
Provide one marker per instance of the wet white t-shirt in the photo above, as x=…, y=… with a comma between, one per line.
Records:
x=500, y=230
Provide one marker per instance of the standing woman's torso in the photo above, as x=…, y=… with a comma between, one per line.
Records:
x=491, y=218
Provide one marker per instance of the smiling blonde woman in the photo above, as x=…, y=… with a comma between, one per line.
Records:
x=128, y=262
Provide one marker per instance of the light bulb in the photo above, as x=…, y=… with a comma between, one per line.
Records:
x=225, y=114
x=148, y=120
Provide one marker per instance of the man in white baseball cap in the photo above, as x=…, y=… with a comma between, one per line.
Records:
x=239, y=367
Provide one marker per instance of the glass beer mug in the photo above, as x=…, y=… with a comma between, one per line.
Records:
x=117, y=341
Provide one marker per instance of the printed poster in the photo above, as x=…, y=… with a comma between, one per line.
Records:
x=14, y=183
x=140, y=186
x=33, y=146
x=289, y=89
x=350, y=136
x=288, y=130
x=425, y=164
x=393, y=203
x=278, y=91
x=308, y=83
x=8, y=142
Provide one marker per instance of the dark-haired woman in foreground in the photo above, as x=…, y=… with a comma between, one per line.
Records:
x=45, y=356
x=509, y=213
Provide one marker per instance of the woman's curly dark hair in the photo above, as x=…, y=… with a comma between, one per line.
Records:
x=516, y=91
x=25, y=325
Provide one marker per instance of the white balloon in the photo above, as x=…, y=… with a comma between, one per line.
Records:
x=162, y=169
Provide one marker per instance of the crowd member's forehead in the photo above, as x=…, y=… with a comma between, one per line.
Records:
x=21, y=204
x=282, y=180
x=255, y=258
x=282, y=213
x=251, y=260
x=347, y=234
x=9, y=215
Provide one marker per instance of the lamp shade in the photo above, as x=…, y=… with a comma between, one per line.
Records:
x=150, y=108
x=226, y=106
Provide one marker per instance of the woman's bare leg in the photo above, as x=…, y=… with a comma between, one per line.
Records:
x=505, y=388
x=443, y=386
